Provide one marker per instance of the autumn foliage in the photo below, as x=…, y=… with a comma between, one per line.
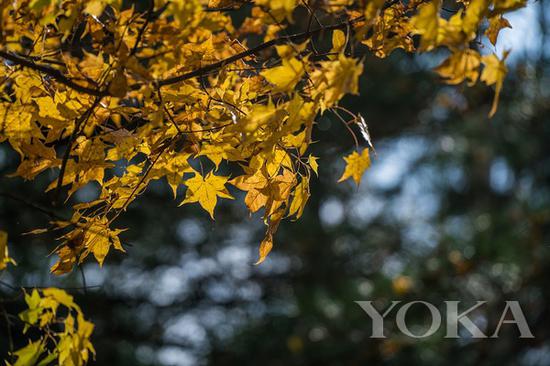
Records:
x=120, y=95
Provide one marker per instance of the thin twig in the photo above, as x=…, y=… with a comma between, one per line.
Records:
x=78, y=123
x=8, y=328
x=294, y=38
x=83, y=276
x=54, y=73
x=143, y=27
x=32, y=205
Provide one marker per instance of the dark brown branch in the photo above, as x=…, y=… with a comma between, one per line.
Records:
x=58, y=75
x=298, y=37
x=141, y=31
x=82, y=119
x=8, y=330
x=54, y=73
x=32, y=205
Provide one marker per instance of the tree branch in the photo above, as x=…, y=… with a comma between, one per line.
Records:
x=54, y=73
x=141, y=31
x=83, y=118
x=60, y=77
x=252, y=51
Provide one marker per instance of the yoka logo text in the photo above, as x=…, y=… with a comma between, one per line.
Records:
x=511, y=314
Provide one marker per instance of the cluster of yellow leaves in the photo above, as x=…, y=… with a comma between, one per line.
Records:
x=62, y=323
x=173, y=90
x=457, y=32
x=92, y=235
x=391, y=29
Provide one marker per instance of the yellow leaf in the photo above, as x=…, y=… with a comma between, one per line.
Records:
x=260, y=116
x=338, y=41
x=474, y=14
x=286, y=51
x=223, y=3
x=254, y=184
x=71, y=345
x=426, y=23
x=47, y=108
x=372, y=9
x=255, y=200
x=280, y=9
x=281, y=185
x=61, y=297
x=496, y=24
x=29, y=354
x=356, y=165
x=98, y=239
x=38, y=157
x=253, y=181
x=335, y=79
x=508, y=5
x=460, y=66
x=91, y=236
x=206, y=190
x=494, y=73
x=286, y=76
x=265, y=247
x=4, y=255
x=276, y=159
x=95, y=7
x=301, y=195
x=312, y=161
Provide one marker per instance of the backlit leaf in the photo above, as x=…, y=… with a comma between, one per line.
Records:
x=356, y=164
x=206, y=190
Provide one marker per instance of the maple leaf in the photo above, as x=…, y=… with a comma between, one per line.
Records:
x=426, y=23
x=286, y=76
x=356, y=164
x=267, y=243
x=335, y=79
x=223, y=3
x=312, y=161
x=206, y=190
x=391, y=31
x=38, y=158
x=496, y=24
x=460, y=66
x=494, y=73
x=255, y=200
x=280, y=9
x=475, y=12
x=90, y=236
x=300, y=198
x=98, y=239
x=255, y=185
x=265, y=248
x=281, y=185
x=338, y=41
x=508, y=5
x=29, y=354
